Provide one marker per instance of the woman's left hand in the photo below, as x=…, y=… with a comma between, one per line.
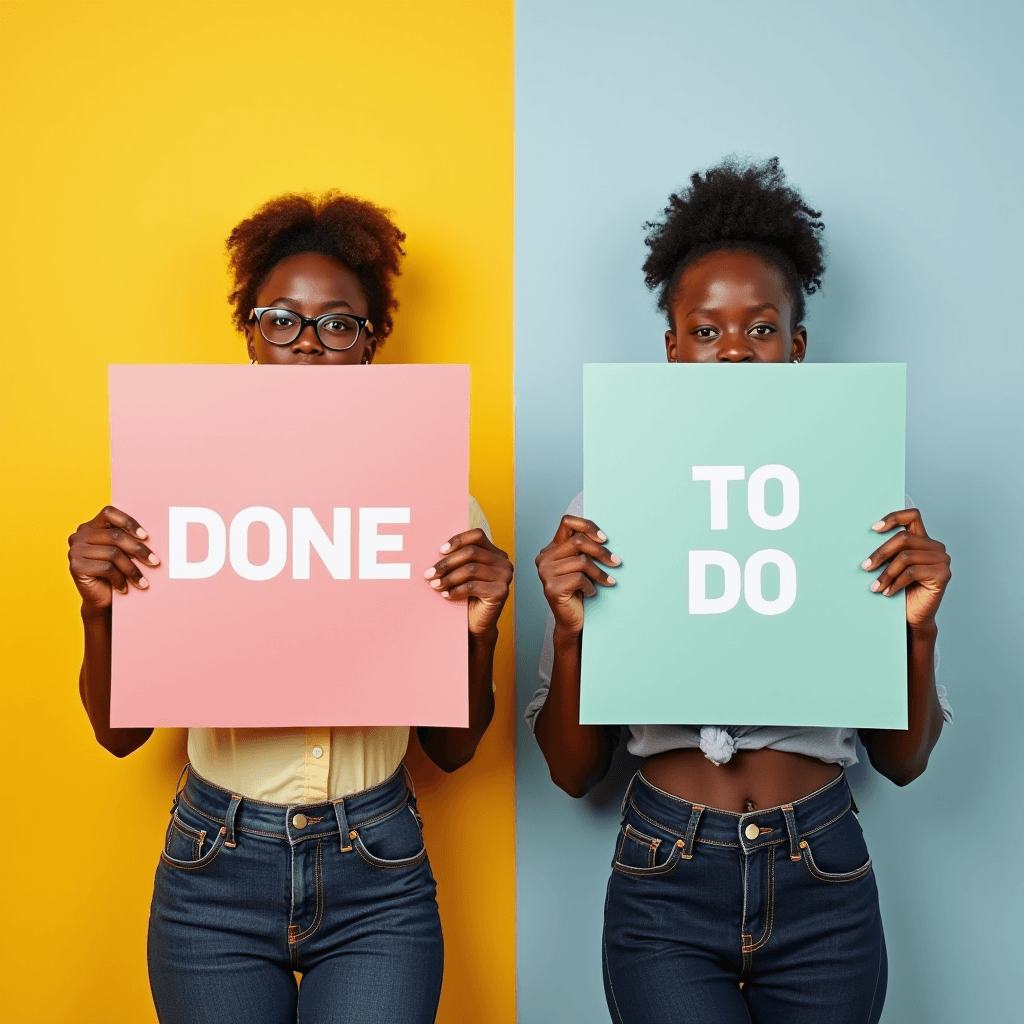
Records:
x=476, y=571
x=916, y=563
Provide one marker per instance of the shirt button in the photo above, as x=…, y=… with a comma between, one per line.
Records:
x=317, y=751
x=300, y=821
x=752, y=831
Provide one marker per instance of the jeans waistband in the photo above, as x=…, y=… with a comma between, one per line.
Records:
x=294, y=822
x=692, y=822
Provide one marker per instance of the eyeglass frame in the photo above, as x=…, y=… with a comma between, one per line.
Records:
x=304, y=321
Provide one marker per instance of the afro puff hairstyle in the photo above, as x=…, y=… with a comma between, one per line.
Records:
x=352, y=231
x=737, y=206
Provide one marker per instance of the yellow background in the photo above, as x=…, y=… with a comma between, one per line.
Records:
x=135, y=136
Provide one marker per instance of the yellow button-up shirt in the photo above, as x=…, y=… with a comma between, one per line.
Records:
x=303, y=765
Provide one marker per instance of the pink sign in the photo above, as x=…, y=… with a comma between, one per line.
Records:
x=294, y=510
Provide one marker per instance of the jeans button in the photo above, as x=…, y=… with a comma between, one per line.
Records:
x=300, y=821
x=752, y=831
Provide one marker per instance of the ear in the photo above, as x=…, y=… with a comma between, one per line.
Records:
x=798, y=348
x=671, y=349
x=369, y=351
x=250, y=341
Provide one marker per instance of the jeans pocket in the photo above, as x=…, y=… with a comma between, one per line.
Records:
x=395, y=841
x=641, y=856
x=186, y=847
x=838, y=853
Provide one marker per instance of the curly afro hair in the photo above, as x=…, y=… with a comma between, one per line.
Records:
x=350, y=230
x=737, y=206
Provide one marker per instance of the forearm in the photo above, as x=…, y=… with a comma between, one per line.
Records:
x=450, y=747
x=902, y=754
x=577, y=755
x=94, y=686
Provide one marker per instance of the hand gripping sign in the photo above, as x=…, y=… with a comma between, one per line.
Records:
x=294, y=510
x=741, y=499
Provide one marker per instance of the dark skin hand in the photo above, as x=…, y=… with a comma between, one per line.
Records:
x=732, y=307
x=107, y=552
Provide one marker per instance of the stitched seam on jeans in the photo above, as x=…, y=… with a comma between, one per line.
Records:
x=831, y=876
x=825, y=824
x=379, y=817
x=607, y=969
x=209, y=817
x=661, y=869
x=203, y=862
x=770, y=914
x=409, y=862
x=318, y=890
x=657, y=824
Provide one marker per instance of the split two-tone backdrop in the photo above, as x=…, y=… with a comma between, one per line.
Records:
x=134, y=141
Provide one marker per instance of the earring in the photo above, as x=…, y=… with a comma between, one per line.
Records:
x=252, y=362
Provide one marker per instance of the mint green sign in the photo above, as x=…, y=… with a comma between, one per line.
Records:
x=741, y=499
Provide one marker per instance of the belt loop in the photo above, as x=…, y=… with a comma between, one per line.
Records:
x=849, y=789
x=229, y=822
x=795, y=846
x=343, y=830
x=629, y=793
x=178, y=787
x=696, y=810
x=409, y=783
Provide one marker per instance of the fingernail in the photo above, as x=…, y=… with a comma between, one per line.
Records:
x=616, y=560
x=611, y=579
x=885, y=593
x=866, y=564
x=141, y=533
x=445, y=548
x=143, y=582
x=429, y=573
x=435, y=583
x=876, y=587
x=602, y=536
x=879, y=525
x=153, y=560
x=125, y=591
x=444, y=593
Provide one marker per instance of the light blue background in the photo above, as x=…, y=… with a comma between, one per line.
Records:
x=902, y=122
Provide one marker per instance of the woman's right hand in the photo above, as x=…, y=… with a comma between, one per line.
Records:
x=102, y=554
x=569, y=571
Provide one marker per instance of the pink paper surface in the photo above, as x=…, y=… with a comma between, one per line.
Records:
x=228, y=651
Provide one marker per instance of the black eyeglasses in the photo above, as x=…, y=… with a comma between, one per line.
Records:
x=337, y=331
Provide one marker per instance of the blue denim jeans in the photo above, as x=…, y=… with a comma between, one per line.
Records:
x=247, y=893
x=781, y=901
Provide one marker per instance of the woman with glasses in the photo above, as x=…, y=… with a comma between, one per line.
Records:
x=741, y=888
x=243, y=901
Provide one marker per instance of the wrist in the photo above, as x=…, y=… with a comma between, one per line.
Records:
x=565, y=638
x=93, y=615
x=487, y=636
x=925, y=632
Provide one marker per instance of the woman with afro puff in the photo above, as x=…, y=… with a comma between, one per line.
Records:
x=741, y=887
x=298, y=850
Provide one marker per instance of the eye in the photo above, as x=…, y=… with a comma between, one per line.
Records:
x=761, y=330
x=337, y=325
x=282, y=320
x=704, y=332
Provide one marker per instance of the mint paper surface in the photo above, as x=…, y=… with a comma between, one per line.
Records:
x=652, y=654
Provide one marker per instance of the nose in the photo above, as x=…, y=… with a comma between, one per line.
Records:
x=307, y=343
x=734, y=347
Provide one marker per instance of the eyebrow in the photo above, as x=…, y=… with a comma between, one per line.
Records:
x=325, y=306
x=713, y=312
